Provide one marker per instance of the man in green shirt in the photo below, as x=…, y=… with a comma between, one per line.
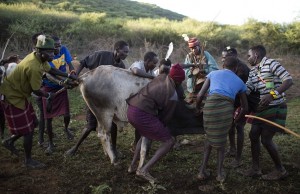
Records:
x=17, y=88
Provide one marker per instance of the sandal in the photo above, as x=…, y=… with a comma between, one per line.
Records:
x=275, y=175
x=146, y=176
x=203, y=176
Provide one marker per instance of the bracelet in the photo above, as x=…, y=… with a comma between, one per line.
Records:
x=274, y=94
x=49, y=95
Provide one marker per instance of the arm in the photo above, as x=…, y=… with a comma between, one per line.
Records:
x=79, y=69
x=185, y=66
x=55, y=71
x=201, y=94
x=71, y=67
x=244, y=106
x=141, y=73
x=266, y=99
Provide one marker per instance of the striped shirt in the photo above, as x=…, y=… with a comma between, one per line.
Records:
x=268, y=72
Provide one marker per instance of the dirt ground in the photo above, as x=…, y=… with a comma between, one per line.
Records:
x=90, y=171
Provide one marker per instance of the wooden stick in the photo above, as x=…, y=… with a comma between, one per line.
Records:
x=275, y=124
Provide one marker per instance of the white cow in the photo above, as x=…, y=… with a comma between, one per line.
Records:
x=105, y=90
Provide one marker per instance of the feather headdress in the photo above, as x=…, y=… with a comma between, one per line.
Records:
x=41, y=38
x=185, y=37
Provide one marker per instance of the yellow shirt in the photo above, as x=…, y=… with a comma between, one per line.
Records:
x=27, y=77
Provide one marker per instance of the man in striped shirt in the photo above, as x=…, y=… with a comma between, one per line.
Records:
x=271, y=79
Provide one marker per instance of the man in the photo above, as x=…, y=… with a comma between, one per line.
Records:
x=271, y=79
x=11, y=60
x=143, y=69
x=218, y=112
x=60, y=103
x=18, y=110
x=149, y=111
x=115, y=58
x=242, y=72
x=198, y=56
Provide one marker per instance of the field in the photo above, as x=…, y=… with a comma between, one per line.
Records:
x=90, y=171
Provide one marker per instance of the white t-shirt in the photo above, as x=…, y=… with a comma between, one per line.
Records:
x=140, y=65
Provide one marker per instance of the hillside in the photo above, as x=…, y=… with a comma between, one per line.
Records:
x=113, y=8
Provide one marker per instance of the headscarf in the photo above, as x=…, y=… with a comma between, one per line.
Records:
x=193, y=42
x=177, y=73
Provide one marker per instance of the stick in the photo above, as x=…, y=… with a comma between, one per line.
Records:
x=275, y=124
x=6, y=45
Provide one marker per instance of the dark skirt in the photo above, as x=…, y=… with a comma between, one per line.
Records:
x=217, y=117
x=147, y=124
x=20, y=122
x=60, y=103
x=276, y=114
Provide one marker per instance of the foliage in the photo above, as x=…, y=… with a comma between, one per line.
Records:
x=100, y=189
x=80, y=22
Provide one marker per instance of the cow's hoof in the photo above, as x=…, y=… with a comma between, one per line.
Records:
x=117, y=163
x=132, y=169
x=70, y=152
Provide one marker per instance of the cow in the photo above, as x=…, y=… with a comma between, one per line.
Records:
x=105, y=90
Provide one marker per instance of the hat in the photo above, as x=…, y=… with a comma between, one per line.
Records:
x=44, y=42
x=193, y=42
x=177, y=73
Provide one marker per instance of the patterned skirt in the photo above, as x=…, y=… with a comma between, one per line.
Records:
x=217, y=116
x=20, y=122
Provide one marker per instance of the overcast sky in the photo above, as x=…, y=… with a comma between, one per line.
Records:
x=234, y=11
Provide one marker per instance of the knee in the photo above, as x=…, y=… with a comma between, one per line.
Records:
x=266, y=141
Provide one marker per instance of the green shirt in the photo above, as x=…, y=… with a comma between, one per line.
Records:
x=26, y=78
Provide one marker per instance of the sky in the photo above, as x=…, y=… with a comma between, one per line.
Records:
x=235, y=12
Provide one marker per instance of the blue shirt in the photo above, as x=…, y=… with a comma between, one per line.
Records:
x=226, y=83
x=60, y=62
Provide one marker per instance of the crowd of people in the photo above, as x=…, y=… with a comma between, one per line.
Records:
x=223, y=93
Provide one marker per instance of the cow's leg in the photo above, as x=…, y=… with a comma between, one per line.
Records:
x=104, y=133
x=107, y=146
